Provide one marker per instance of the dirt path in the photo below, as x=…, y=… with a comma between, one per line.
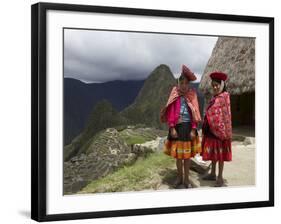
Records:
x=240, y=171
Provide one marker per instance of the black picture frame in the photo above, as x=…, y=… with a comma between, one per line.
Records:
x=39, y=122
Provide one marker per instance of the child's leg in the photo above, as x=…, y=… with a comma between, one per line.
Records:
x=220, y=176
x=213, y=170
x=186, y=171
x=180, y=171
x=212, y=175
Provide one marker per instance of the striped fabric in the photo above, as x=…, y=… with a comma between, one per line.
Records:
x=182, y=149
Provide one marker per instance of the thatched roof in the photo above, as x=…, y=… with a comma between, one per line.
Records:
x=236, y=57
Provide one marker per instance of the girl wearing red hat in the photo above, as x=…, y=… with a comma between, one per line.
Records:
x=217, y=128
x=182, y=115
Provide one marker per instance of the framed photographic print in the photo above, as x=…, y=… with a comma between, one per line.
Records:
x=143, y=111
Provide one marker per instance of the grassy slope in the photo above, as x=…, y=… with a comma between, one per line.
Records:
x=143, y=174
x=134, y=137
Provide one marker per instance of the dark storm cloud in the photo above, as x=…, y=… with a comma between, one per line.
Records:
x=100, y=56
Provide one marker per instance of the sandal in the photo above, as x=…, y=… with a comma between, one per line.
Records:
x=177, y=183
x=187, y=185
x=219, y=183
x=209, y=177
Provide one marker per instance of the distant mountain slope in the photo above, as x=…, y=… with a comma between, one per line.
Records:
x=102, y=117
x=80, y=98
x=151, y=98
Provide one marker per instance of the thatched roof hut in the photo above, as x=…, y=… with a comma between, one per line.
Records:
x=236, y=57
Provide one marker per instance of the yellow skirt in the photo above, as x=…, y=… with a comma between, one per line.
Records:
x=182, y=149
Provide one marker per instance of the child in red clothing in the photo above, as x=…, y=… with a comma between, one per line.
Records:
x=217, y=128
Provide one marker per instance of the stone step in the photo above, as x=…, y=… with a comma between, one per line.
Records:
x=199, y=167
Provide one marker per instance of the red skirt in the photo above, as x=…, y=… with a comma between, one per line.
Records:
x=215, y=149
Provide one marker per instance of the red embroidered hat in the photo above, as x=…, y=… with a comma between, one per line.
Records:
x=187, y=73
x=218, y=76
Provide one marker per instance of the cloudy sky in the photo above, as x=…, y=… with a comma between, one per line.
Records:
x=100, y=56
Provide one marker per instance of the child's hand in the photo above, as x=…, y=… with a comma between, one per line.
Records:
x=193, y=134
x=174, y=133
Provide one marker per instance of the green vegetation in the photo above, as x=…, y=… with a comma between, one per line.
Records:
x=135, y=137
x=102, y=117
x=131, y=140
x=151, y=98
x=143, y=174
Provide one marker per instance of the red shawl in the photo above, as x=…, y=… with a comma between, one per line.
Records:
x=218, y=114
x=191, y=100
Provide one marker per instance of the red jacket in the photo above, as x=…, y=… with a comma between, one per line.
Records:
x=218, y=114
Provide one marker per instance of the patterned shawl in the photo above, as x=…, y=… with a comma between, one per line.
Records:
x=191, y=100
x=218, y=114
